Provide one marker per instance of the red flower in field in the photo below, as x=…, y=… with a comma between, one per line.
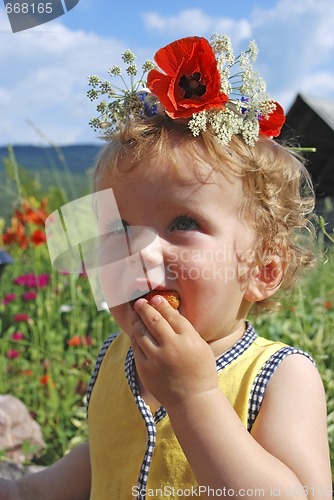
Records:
x=45, y=380
x=272, y=125
x=20, y=229
x=28, y=373
x=12, y=354
x=74, y=341
x=16, y=234
x=33, y=215
x=38, y=237
x=17, y=336
x=190, y=81
x=328, y=305
x=86, y=340
x=8, y=298
x=77, y=340
x=21, y=317
x=29, y=296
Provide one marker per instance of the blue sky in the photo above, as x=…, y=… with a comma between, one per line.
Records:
x=43, y=71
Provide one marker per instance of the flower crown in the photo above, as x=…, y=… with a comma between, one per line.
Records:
x=197, y=81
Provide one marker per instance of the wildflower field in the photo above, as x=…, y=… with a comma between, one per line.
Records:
x=51, y=331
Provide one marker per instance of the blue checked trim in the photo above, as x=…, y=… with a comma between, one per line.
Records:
x=261, y=381
x=97, y=366
x=149, y=423
x=238, y=348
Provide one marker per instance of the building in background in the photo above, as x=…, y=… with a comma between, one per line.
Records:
x=310, y=123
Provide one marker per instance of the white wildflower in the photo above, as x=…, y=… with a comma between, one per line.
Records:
x=198, y=123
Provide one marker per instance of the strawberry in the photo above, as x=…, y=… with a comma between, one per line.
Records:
x=171, y=296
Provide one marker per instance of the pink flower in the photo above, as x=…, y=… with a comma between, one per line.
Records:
x=21, y=317
x=42, y=280
x=25, y=280
x=8, y=298
x=29, y=296
x=31, y=280
x=12, y=354
x=17, y=336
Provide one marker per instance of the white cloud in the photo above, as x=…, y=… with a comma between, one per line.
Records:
x=43, y=78
x=296, y=40
x=190, y=21
x=323, y=82
x=196, y=22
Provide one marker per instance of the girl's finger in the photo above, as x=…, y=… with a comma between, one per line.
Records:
x=160, y=318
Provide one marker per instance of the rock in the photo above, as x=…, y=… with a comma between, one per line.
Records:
x=20, y=435
x=13, y=471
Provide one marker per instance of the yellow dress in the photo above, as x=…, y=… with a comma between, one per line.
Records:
x=135, y=454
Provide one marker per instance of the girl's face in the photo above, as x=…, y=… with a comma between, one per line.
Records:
x=201, y=235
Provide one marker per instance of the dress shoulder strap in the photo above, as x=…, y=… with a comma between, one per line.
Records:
x=262, y=379
x=97, y=366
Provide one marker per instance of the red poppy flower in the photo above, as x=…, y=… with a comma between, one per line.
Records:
x=16, y=234
x=38, y=237
x=191, y=80
x=36, y=216
x=74, y=341
x=45, y=380
x=272, y=125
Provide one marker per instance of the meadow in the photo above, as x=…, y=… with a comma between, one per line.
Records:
x=51, y=332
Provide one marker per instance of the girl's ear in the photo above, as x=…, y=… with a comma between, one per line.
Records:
x=265, y=280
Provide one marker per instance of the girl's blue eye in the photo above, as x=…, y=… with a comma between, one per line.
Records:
x=185, y=224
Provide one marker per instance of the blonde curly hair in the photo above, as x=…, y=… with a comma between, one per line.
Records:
x=278, y=200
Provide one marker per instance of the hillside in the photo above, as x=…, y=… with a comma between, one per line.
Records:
x=77, y=158
x=67, y=168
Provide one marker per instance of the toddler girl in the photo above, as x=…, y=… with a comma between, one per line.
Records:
x=188, y=401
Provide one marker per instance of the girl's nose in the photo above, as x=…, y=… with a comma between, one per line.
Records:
x=147, y=243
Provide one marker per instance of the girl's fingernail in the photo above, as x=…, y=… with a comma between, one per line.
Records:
x=139, y=303
x=156, y=300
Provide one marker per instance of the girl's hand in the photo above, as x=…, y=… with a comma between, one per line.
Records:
x=173, y=362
